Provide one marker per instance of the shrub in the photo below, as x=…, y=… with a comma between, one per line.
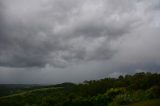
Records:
x=153, y=92
x=115, y=91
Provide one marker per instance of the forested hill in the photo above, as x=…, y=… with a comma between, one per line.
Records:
x=124, y=90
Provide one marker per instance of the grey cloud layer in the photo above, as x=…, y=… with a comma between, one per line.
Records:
x=93, y=38
x=36, y=33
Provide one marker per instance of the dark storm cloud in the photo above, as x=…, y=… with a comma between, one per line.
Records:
x=93, y=38
x=57, y=32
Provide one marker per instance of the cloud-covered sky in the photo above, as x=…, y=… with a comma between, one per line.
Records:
x=53, y=41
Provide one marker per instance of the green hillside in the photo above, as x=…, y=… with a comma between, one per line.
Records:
x=125, y=90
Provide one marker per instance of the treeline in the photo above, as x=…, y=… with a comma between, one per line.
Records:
x=123, y=90
x=139, y=81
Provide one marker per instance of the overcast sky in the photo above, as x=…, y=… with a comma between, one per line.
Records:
x=54, y=41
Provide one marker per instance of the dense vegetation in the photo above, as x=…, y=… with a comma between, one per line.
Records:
x=125, y=90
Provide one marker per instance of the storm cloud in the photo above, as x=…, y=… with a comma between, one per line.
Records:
x=101, y=37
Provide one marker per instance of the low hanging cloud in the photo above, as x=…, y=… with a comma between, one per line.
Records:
x=79, y=37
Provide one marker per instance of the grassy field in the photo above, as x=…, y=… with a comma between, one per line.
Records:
x=154, y=102
x=31, y=91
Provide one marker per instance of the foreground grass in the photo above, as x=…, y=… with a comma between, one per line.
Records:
x=154, y=102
